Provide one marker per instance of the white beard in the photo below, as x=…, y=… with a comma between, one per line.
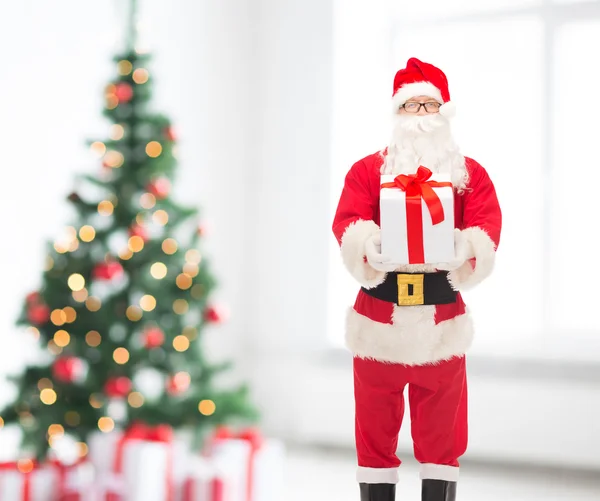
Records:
x=425, y=140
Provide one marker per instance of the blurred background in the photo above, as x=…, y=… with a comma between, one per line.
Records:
x=273, y=101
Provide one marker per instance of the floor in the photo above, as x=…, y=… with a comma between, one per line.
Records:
x=329, y=476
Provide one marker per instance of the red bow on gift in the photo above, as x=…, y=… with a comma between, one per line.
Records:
x=418, y=187
x=251, y=435
x=141, y=431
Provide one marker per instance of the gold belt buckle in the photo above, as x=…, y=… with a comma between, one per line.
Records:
x=410, y=290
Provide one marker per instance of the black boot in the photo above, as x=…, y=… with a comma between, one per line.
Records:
x=438, y=490
x=377, y=492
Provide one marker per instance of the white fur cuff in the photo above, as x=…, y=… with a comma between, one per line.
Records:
x=439, y=472
x=366, y=475
x=484, y=250
x=353, y=253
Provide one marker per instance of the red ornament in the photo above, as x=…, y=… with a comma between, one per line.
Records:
x=170, y=133
x=178, y=383
x=214, y=314
x=160, y=187
x=124, y=92
x=153, y=337
x=68, y=369
x=202, y=229
x=38, y=314
x=33, y=298
x=107, y=271
x=138, y=231
x=117, y=387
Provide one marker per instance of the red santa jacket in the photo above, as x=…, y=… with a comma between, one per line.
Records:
x=413, y=335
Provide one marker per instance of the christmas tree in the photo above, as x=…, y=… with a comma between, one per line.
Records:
x=125, y=293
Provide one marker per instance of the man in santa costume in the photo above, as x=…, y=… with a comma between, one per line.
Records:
x=399, y=339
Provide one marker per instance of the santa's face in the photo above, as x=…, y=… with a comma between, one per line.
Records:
x=422, y=136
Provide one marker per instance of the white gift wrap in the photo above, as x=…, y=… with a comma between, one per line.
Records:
x=203, y=474
x=438, y=240
x=43, y=484
x=145, y=467
x=232, y=456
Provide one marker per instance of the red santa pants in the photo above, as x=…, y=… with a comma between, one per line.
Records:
x=437, y=396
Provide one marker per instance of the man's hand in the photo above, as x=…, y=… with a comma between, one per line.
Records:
x=374, y=257
x=462, y=251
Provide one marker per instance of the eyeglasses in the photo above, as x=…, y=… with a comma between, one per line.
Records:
x=412, y=107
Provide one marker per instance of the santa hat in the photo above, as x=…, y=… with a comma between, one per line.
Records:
x=422, y=79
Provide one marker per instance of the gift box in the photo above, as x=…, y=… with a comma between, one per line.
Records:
x=20, y=482
x=135, y=464
x=253, y=464
x=52, y=481
x=205, y=481
x=417, y=218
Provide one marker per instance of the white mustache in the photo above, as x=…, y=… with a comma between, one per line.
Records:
x=418, y=124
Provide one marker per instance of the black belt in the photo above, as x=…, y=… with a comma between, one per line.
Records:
x=410, y=289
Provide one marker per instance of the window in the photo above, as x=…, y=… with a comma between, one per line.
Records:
x=521, y=75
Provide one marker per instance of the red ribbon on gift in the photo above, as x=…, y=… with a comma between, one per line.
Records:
x=142, y=431
x=217, y=490
x=417, y=188
x=254, y=438
x=26, y=472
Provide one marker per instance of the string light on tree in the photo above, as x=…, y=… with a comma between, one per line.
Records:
x=80, y=296
x=124, y=67
x=134, y=313
x=153, y=149
x=121, y=356
x=183, y=281
x=148, y=302
x=93, y=304
x=207, y=407
x=161, y=217
x=76, y=282
x=191, y=270
x=113, y=159
x=96, y=401
x=135, y=399
x=147, y=201
x=62, y=338
x=117, y=132
x=34, y=332
x=106, y=424
x=48, y=396
x=181, y=306
x=193, y=256
x=98, y=149
x=93, y=339
x=140, y=76
x=105, y=208
x=181, y=343
x=87, y=233
x=70, y=314
x=158, y=271
x=58, y=317
x=169, y=246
